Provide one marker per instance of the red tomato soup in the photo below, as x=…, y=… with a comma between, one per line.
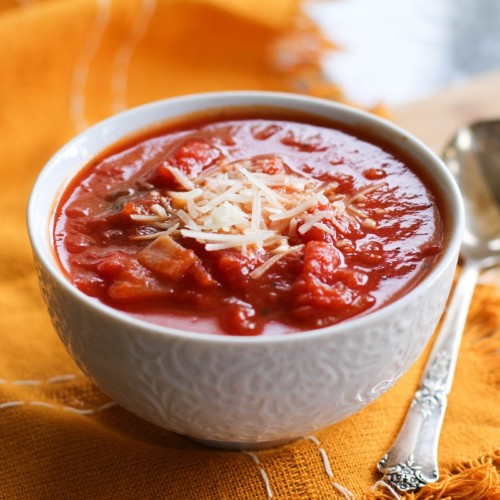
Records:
x=245, y=226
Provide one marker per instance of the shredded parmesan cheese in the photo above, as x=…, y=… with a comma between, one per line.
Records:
x=361, y=195
x=181, y=178
x=185, y=195
x=236, y=205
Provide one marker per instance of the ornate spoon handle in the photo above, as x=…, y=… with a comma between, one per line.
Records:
x=412, y=460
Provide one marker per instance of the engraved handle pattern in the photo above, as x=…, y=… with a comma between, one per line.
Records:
x=411, y=463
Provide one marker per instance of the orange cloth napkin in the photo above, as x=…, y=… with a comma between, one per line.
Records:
x=67, y=64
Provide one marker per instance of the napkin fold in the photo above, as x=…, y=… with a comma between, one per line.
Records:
x=67, y=64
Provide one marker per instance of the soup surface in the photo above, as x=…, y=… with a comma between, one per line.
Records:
x=247, y=226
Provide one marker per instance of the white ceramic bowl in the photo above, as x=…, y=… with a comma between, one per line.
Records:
x=239, y=391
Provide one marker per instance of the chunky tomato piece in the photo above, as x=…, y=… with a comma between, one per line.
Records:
x=193, y=156
x=130, y=280
x=163, y=177
x=234, y=268
x=166, y=257
x=239, y=318
x=317, y=234
x=321, y=291
x=321, y=259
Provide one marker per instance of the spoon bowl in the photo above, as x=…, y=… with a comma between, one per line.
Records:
x=473, y=157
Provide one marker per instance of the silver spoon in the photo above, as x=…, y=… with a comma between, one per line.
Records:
x=473, y=157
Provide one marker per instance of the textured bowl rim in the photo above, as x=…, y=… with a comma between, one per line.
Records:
x=439, y=171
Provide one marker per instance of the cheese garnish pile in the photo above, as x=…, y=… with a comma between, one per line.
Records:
x=239, y=205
